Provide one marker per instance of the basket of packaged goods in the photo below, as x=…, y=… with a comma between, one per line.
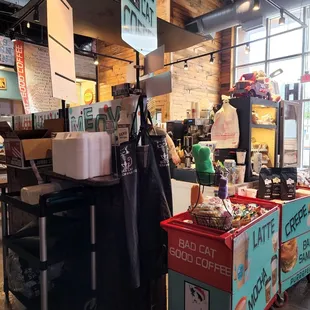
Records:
x=222, y=213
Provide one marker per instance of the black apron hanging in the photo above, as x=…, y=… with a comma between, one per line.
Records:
x=129, y=180
x=153, y=208
x=160, y=147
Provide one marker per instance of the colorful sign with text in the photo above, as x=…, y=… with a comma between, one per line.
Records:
x=295, y=218
x=139, y=24
x=295, y=260
x=255, y=264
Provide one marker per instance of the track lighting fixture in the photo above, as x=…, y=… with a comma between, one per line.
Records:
x=28, y=25
x=36, y=15
x=256, y=5
x=211, y=59
x=282, y=18
x=247, y=48
x=96, y=61
x=185, y=65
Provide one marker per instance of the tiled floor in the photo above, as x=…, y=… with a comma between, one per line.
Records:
x=299, y=297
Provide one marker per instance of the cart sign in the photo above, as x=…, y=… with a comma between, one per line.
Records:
x=139, y=24
x=255, y=264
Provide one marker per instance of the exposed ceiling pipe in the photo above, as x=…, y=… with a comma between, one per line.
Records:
x=241, y=13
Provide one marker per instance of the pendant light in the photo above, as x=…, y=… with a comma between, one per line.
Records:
x=282, y=18
x=256, y=6
x=211, y=59
x=36, y=15
x=247, y=48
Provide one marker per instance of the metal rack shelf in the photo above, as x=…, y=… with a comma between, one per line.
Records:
x=40, y=257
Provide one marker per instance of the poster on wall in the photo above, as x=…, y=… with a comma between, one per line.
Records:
x=61, y=49
x=6, y=51
x=34, y=78
x=255, y=265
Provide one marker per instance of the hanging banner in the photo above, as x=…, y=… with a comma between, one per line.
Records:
x=61, y=49
x=6, y=51
x=34, y=78
x=101, y=116
x=139, y=24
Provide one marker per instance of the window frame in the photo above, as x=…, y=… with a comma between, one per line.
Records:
x=304, y=53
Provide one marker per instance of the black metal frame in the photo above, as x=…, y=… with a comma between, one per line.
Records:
x=49, y=204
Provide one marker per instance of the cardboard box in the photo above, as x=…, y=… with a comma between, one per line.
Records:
x=23, y=146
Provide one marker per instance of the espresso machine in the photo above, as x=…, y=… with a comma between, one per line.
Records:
x=198, y=128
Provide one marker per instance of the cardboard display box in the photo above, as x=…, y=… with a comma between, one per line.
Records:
x=23, y=146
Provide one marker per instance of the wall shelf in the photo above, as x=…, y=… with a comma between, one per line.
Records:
x=261, y=126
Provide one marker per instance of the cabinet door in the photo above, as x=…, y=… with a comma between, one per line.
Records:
x=291, y=113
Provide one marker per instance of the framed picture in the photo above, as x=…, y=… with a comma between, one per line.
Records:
x=2, y=83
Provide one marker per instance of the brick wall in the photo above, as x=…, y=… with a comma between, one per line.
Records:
x=113, y=72
x=226, y=61
x=201, y=82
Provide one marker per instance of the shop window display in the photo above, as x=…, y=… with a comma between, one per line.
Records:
x=293, y=60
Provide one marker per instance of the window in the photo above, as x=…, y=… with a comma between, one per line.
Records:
x=242, y=70
x=285, y=47
x=286, y=44
x=290, y=24
x=279, y=47
x=306, y=135
x=257, y=49
x=291, y=72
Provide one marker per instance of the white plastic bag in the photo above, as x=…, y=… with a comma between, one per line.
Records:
x=225, y=130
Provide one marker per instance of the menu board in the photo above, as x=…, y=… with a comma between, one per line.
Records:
x=34, y=78
x=6, y=51
x=255, y=265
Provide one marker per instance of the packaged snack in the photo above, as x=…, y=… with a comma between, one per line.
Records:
x=288, y=183
x=276, y=183
x=265, y=184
